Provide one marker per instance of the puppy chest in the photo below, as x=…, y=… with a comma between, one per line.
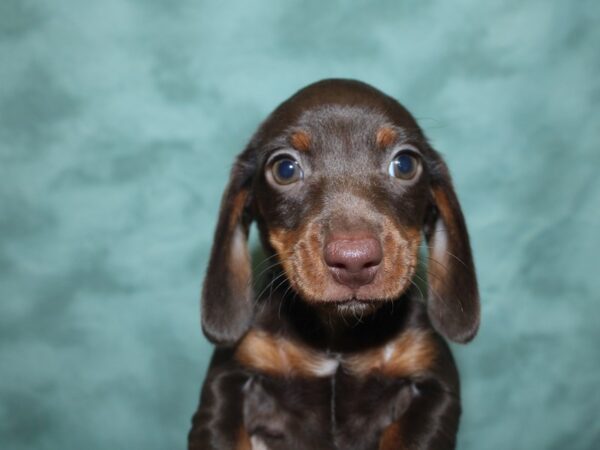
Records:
x=337, y=412
x=411, y=354
x=303, y=398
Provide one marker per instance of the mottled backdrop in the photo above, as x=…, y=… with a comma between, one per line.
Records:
x=119, y=120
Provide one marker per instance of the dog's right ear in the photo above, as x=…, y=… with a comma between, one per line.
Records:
x=227, y=290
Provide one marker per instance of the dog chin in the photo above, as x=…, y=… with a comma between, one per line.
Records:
x=352, y=307
x=358, y=307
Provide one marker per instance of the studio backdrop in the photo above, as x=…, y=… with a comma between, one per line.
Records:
x=119, y=121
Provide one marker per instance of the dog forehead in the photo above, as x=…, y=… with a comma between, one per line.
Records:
x=342, y=120
x=339, y=132
x=333, y=98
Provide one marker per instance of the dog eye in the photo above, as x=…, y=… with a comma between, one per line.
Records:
x=404, y=166
x=286, y=171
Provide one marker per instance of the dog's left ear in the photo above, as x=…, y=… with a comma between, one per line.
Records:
x=227, y=291
x=453, y=304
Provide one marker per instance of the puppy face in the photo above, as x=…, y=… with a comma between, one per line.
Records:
x=342, y=193
x=343, y=186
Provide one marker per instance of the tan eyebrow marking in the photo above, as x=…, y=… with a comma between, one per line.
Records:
x=386, y=137
x=300, y=140
x=277, y=356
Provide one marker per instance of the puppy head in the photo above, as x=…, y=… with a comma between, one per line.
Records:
x=343, y=185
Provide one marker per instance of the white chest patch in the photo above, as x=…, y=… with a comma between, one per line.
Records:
x=276, y=355
x=258, y=443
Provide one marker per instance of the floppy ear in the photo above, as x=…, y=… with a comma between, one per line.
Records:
x=227, y=290
x=453, y=304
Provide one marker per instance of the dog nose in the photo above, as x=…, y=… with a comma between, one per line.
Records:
x=353, y=262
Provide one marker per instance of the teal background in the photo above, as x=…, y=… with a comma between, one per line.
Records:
x=118, y=123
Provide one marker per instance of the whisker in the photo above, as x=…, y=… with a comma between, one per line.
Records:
x=435, y=294
x=450, y=254
x=270, y=266
x=429, y=258
x=269, y=284
x=282, y=299
x=418, y=288
x=278, y=286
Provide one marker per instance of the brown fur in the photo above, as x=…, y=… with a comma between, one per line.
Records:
x=386, y=136
x=300, y=140
x=277, y=356
x=238, y=263
x=299, y=251
x=412, y=354
x=391, y=438
x=243, y=440
x=341, y=352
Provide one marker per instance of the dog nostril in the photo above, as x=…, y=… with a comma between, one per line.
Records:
x=353, y=262
x=373, y=263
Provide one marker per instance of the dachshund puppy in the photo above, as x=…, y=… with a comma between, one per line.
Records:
x=344, y=346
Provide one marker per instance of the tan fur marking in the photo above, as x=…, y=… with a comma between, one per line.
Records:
x=443, y=233
x=443, y=205
x=391, y=438
x=277, y=356
x=283, y=240
x=385, y=137
x=243, y=440
x=237, y=207
x=300, y=253
x=300, y=140
x=412, y=353
x=403, y=250
x=239, y=261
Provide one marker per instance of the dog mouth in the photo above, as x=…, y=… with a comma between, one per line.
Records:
x=353, y=305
